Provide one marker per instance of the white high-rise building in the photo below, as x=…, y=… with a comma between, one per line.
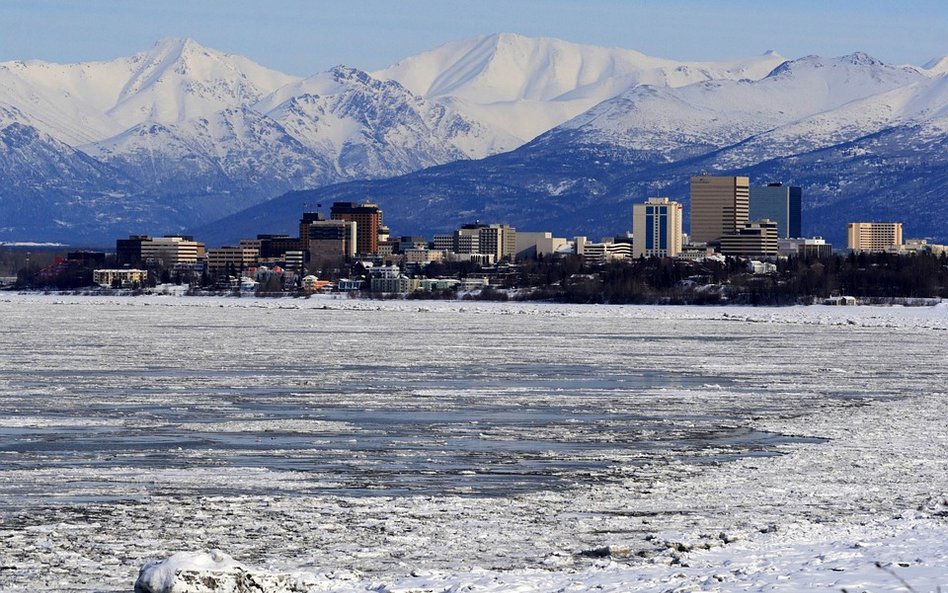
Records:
x=656, y=228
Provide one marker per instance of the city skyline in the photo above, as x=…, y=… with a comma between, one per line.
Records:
x=303, y=38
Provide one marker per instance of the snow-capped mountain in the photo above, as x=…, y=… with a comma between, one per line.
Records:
x=184, y=123
x=370, y=128
x=865, y=140
x=192, y=134
x=529, y=85
x=717, y=113
x=174, y=81
x=232, y=150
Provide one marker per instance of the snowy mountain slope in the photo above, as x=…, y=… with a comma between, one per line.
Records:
x=29, y=87
x=233, y=150
x=47, y=182
x=30, y=158
x=180, y=80
x=355, y=127
x=175, y=80
x=922, y=105
x=529, y=85
x=373, y=128
x=936, y=66
x=723, y=112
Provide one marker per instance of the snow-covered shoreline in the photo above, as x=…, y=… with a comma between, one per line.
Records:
x=869, y=315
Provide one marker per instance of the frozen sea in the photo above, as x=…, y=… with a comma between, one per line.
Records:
x=437, y=446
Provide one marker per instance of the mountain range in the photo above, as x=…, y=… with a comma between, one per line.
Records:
x=541, y=133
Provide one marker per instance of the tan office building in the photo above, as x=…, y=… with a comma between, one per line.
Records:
x=497, y=240
x=753, y=239
x=169, y=251
x=874, y=236
x=222, y=259
x=719, y=206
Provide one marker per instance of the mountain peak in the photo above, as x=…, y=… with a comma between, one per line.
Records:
x=342, y=72
x=507, y=38
x=177, y=47
x=860, y=59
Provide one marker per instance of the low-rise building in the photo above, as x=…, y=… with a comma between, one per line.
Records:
x=698, y=252
x=760, y=267
x=483, y=259
x=606, y=251
x=295, y=260
x=422, y=256
x=394, y=283
x=432, y=284
x=87, y=258
x=840, y=300
x=923, y=246
x=122, y=277
x=220, y=260
x=348, y=284
x=411, y=242
x=171, y=250
x=313, y=284
x=469, y=283
x=754, y=239
x=815, y=247
x=537, y=244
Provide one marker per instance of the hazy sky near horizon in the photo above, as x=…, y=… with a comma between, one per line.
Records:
x=305, y=37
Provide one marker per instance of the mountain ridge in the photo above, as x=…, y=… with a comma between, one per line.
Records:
x=193, y=134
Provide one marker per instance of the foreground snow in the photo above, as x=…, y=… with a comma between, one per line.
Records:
x=897, y=554
x=780, y=449
x=879, y=458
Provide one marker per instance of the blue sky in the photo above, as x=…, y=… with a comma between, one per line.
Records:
x=304, y=37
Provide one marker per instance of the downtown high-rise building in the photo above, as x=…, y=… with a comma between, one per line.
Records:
x=779, y=203
x=719, y=206
x=874, y=236
x=332, y=239
x=656, y=228
x=368, y=219
x=496, y=240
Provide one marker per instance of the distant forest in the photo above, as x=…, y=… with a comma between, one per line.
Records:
x=871, y=277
